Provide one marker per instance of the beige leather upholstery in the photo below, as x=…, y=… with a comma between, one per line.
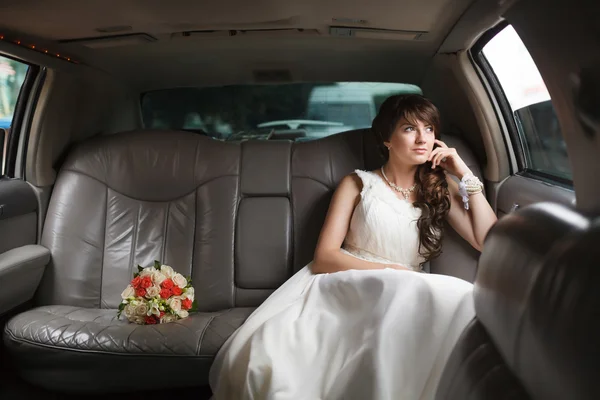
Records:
x=317, y=168
x=18, y=212
x=240, y=218
x=21, y=270
x=120, y=201
x=537, y=328
x=73, y=349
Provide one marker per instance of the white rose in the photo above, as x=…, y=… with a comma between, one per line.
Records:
x=128, y=292
x=154, y=309
x=180, y=280
x=167, y=271
x=129, y=310
x=138, y=320
x=158, y=277
x=147, y=271
x=167, y=318
x=189, y=293
x=175, y=304
x=141, y=309
x=183, y=314
x=152, y=291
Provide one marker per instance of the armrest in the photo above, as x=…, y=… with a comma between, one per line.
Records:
x=21, y=270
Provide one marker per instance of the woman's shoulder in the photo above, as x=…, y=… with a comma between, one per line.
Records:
x=359, y=180
x=352, y=182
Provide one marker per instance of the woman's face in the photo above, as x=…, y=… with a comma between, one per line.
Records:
x=410, y=143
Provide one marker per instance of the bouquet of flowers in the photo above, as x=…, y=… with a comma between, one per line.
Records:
x=157, y=295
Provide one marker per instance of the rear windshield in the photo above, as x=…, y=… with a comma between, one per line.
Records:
x=300, y=111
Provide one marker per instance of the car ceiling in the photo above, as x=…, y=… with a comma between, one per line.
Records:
x=283, y=41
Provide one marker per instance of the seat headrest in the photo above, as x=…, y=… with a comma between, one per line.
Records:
x=537, y=295
x=154, y=165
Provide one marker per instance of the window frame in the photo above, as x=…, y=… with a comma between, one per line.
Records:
x=18, y=119
x=496, y=92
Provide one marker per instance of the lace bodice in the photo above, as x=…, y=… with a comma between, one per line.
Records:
x=383, y=227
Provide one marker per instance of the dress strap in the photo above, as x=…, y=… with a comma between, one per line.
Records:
x=367, y=179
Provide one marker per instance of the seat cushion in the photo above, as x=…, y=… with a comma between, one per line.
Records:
x=76, y=349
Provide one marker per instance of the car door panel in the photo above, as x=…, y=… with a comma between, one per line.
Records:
x=519, y=191
x=22, y=261
x=21, y=270
x=18, y=214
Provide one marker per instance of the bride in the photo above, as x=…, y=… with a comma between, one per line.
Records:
x=360, y=321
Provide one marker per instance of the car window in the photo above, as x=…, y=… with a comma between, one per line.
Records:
x=538, y=129
x=12, y=76
x=300, y=111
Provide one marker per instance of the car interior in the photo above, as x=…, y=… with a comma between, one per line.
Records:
x=212, y=135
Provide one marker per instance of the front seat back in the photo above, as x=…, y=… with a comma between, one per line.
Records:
x=536, y=334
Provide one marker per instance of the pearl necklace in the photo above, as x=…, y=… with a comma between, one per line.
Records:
x=405, y=192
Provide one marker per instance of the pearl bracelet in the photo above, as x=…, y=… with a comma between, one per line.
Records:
x=468, y=186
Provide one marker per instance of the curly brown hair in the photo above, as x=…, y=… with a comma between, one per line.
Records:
x=432, y=193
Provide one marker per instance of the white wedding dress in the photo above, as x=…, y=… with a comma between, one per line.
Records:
x=357, y=334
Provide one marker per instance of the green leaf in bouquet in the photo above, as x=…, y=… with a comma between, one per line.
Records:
x=140, y=268
x=194, y=306
x=157, y=264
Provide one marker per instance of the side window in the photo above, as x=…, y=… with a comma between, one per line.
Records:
x=12, y=76
x=542, y=147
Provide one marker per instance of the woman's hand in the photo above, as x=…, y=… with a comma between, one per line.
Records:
x=448, y=159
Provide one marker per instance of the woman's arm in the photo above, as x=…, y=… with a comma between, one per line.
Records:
x=472, y=224
x=328, y=256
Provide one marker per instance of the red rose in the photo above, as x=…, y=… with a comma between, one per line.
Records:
x=176, y=290
x=151, y=320
x=136, y=282
x=167, y=284
x=186, y=304
x=140, y=292
x=165, y=293
x=146, y=282
x=162, y=314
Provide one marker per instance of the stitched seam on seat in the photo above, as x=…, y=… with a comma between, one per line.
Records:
x=151, y=201
x=314, y=180
x=201, y=338
x=331, y=177
x=134, y=238
x=165, y=232
x=103, y=245
x=240, y=196
x=292, y=252
x=54, y=347
x=194, y=234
